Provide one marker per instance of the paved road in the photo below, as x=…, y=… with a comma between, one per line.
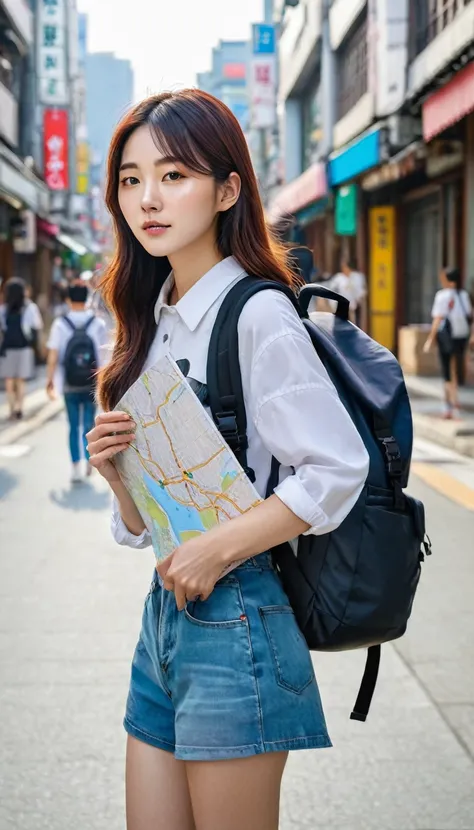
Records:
x=70, y=605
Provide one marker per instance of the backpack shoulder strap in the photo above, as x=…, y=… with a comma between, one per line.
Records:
x=89, y=322
x=224, y=381
x=69, y=322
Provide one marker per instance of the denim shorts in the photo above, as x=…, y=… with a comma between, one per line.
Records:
x=230, y=677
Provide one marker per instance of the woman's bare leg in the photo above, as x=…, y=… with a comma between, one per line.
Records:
x=157, y=791
x=11, y=393
x=20, y=394
x=241, y=794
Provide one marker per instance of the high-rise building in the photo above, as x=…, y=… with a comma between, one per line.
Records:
x=227, y=79
x=109, y=82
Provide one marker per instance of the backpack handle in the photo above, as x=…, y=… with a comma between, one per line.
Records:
x=309, y=291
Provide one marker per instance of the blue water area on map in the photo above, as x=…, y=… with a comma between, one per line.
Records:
x=182, y=518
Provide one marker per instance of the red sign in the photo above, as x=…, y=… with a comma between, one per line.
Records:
x=56, y=149
x=234, y=70
x=449, y=104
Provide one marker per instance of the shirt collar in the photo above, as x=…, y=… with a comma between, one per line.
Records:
x=204, y=293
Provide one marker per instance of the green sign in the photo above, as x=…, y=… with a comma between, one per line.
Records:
x=346, y=210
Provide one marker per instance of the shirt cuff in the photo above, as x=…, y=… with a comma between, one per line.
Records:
x=123, y=536
x=292, y=493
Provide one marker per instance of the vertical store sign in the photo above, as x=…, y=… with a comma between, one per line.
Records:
x=263, y=77
x=382, y=275
x=56, y=149
x=52, y=43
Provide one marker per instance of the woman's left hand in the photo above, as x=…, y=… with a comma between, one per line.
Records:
x=192, y=570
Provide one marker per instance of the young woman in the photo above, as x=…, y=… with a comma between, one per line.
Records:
x=20, y=322
x=222, y=683
x=451, y=328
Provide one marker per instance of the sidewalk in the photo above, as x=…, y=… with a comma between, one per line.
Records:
x=427, y=395
x=37, y=409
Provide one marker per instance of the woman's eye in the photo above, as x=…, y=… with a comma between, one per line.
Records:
x=130, y=180
x=172, y=176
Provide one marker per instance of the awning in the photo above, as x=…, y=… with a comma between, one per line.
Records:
x=19, y=183
x=306, y=189
x=365, y=152
x=73, y=245
x=449, y=104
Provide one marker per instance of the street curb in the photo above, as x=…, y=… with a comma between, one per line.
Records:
x=445, y=433
x=13, y=434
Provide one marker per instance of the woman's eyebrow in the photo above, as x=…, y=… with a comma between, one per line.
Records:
x=132, y=165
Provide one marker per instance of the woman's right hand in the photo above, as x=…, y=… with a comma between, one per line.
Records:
x=113, y=433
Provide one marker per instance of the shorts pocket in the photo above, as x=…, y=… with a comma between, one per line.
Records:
x=291, y=657
x=223, y=609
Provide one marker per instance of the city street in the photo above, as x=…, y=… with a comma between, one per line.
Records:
x=69, y=616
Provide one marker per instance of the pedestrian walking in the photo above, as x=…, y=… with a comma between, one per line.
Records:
x=218, y=697
x=352, y=284
x=75, y=353
x=451, y=329
x=20, y=324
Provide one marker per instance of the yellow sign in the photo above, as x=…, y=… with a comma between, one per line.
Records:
x=82, y=167
x=382, y=275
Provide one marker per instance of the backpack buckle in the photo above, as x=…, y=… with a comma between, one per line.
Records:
x=393, y=456
x=226, y=423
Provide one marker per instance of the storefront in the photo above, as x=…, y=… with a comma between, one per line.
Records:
x=22, y=196
x=306, y=201
x=345, y=169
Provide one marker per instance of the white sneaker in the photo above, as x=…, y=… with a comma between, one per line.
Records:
x=76, y=474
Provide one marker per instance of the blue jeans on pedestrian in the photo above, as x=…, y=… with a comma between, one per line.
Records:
x=80, y=407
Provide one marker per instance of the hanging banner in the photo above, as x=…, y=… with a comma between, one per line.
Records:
x=382, y=275
x=56, y=149
x=263, y=77
x=52, y=52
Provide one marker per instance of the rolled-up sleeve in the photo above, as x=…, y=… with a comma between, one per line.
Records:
x=302, y=422
x=121, y=533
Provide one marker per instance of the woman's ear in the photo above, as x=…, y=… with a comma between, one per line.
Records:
x=229, y=192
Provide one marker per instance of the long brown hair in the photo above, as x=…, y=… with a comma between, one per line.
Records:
x=204, y=135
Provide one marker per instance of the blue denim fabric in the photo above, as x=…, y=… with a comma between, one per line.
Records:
x=77, y=402
x=226, y=678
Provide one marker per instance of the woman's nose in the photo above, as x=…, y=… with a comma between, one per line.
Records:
x=151, y=198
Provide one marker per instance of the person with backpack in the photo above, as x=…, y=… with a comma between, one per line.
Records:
x=451, y=329
x=75, y=353
x=222, y=684
x=20, y=324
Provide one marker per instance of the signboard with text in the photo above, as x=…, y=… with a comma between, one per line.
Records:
x=56, y=148
x=263, y=77
x=52, y=51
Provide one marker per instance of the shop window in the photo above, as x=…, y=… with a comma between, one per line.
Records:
x=312, y=126
x=352, y=69
x=428, y=18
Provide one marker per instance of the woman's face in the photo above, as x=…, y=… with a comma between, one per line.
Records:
x=167, y=206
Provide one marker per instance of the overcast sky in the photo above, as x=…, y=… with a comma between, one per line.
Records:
x=167, y=41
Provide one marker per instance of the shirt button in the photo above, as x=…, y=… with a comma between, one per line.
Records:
x=165, y=338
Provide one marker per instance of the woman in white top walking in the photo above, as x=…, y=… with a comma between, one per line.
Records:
x=20, y=322
x=222, y=684
x=451, y=328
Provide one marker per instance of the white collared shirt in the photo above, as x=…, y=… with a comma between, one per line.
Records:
x=293, y=410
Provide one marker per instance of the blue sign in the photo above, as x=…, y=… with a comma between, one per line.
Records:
x=359, y=156
x=263, y=37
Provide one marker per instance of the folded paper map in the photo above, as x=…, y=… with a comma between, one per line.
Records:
x=179, y=471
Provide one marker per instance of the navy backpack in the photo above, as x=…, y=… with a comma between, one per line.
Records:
x=354, y=587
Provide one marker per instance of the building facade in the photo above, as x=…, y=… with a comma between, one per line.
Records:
x=109, y=83
x=24, y=196
x=377, y=102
